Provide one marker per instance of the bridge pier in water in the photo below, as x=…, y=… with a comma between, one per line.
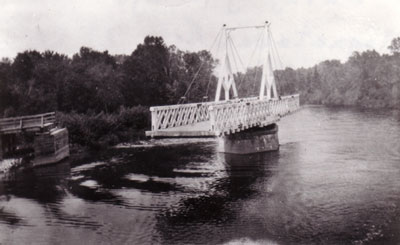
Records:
x=253, y=140
x=51, y=146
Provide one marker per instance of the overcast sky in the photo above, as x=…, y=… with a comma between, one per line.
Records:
x=306, y=31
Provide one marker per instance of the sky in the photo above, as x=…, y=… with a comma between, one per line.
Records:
x=306, y=32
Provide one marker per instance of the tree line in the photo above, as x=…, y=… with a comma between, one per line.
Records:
x=106, y=97
x=93, y=81
x=366, y=79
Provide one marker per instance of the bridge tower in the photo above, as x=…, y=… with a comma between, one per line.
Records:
x=268, y=84
x=257, y=139
x=226, y=78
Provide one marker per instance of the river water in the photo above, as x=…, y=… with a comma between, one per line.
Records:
x=335, y=180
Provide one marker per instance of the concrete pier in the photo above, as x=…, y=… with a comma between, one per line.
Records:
x=261, y=139
x=51, y=146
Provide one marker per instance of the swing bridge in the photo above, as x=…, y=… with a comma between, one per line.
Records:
x=230, y=115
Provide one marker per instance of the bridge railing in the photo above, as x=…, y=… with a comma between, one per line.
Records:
x=233, y=117
x=164, y=117
x=12, y=124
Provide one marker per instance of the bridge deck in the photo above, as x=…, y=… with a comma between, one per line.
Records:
x=199, y=129
x=216, y=119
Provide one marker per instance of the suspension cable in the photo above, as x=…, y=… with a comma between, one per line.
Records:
x=276, y=49
x=237, y=53
x=233, y=53
x=251, y=58
x=272, y=52
x=258, y=61
x=218, y=46
x=198, y=71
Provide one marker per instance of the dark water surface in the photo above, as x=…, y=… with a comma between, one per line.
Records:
x=335, y=180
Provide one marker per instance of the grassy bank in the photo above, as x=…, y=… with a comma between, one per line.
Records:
x=99, y=130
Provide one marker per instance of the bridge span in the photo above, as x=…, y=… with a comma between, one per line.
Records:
x=213, y=119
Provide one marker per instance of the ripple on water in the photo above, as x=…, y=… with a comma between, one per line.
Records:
x=90, y=184
x=137, y=177
x=87, y=166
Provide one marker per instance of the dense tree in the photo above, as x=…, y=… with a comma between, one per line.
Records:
x=394, y=47
x=6, y=99
x=97, y=78
x=146, y=73
x=191, y=75
x=35, y=82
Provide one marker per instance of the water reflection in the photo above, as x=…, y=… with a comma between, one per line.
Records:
x=215, y=211
x=47, y=186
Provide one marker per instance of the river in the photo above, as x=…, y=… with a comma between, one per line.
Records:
x=334, y=180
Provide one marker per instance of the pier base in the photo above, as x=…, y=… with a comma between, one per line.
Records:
x=51, y=147
x=253, y=140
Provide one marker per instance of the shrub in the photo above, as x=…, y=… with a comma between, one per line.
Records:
x=102, y=129
x=137, y=117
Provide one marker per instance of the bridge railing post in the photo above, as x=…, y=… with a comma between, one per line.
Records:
x=153, y=119
x=211, y=113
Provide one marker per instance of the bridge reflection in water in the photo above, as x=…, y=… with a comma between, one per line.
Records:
x=213, y=214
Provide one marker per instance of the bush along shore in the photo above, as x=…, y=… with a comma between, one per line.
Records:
x=99, y=130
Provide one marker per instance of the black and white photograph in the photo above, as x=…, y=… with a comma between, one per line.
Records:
x=200, y=122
